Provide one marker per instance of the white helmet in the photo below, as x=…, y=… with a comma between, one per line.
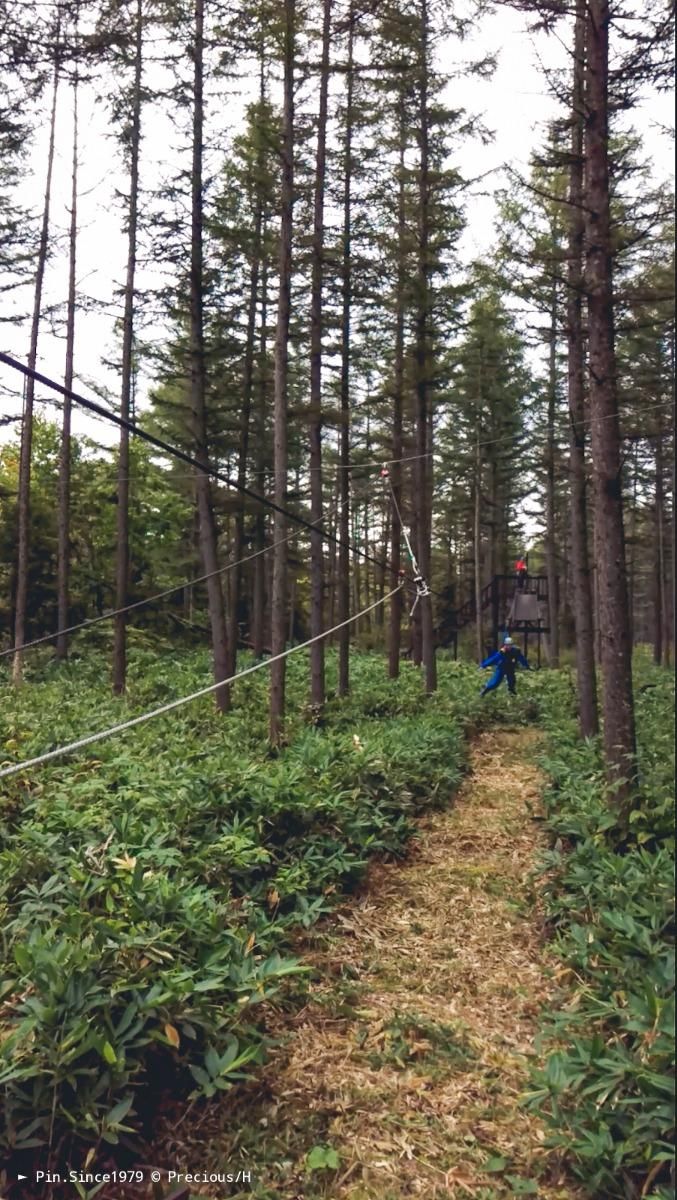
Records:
x=507, y=641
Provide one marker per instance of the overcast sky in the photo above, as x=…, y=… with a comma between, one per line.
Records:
x=514, y=104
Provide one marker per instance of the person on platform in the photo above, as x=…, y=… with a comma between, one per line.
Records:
x=505, y=663
x=521, y=570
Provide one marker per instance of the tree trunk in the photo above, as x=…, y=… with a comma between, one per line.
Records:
x=381, y=569
x=415, y=612
x=619, y=722
x=198, y=381
x=657, y=591
x=580, y=559
x=292, y=604
x=596, y=606
x=259, y=589
x=317, y=685
x=396, y=604
x=245, y=420
x=477, y=532
x=357, y=568
x=673, y=547
x=424, y=466
x=343, y=591
x=494, y=509
x=550, y=531
x=277, y=679
x=661, y=626
x=479, y=631
x=122, y=518
x=24, y=497
x=63, y=531
x=248, y=382
x=332, y=526
x=632, y=549
x=259, y=600
x=367, y=576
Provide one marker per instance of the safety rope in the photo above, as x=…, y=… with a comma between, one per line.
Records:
x=60, y=751
x=420, y=583
x=118, y=612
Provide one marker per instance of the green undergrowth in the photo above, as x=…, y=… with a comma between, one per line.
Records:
x=149, y=885
x=608, y=1084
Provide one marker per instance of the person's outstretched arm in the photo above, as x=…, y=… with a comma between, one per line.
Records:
x=523, y=661
x=492, y=661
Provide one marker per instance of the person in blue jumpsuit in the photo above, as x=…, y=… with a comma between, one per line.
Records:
x=505, y=663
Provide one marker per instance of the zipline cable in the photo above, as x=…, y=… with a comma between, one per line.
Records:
x=183, y=456
x=60, y=751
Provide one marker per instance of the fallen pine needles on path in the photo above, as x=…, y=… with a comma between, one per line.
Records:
x=403, y=1074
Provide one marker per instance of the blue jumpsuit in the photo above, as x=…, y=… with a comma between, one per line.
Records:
x=505, y=663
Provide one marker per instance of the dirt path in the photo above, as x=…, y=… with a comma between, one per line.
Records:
x=410, y=1057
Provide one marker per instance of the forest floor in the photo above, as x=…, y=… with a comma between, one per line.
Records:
x=403, y=1074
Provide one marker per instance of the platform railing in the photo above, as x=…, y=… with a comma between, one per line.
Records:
x=498, y=593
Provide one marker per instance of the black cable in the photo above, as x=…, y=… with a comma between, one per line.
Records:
x=173, y=452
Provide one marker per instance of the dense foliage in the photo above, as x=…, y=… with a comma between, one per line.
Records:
x=149, y=893
x=147, y=889
x=157, y=534
x=608, y=1086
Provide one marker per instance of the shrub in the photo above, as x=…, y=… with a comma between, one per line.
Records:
x=608, y=1086
x=147, y=889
